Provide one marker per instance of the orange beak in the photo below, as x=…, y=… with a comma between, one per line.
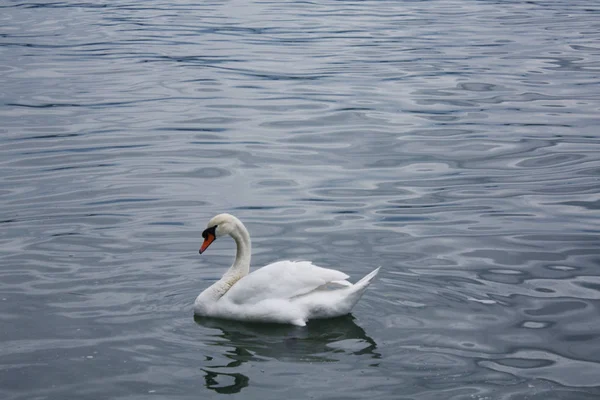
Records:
x=209, y=239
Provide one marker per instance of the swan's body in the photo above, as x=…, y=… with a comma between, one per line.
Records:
x=283, y=292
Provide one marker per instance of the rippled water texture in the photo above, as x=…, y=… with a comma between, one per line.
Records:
x=455, y=143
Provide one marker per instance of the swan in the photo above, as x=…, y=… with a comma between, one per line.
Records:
x=286, y=292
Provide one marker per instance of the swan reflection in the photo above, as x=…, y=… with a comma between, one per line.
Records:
x=319, y=341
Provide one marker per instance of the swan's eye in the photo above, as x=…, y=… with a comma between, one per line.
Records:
x=209, y=231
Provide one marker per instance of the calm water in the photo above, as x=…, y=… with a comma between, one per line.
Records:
x=455, y=143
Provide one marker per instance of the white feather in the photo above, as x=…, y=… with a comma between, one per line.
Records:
x=282, y=279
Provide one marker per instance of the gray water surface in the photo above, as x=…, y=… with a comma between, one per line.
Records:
x=455, y=143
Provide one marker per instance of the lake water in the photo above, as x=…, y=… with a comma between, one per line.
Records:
x=455, y=143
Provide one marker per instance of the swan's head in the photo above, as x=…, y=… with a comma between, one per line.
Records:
x=220, y=225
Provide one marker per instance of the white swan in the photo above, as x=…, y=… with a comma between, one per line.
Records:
x=289, y=292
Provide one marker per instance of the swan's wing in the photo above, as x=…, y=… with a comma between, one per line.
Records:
x=283, y=280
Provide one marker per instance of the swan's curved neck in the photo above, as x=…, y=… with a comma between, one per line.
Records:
x=239, y=269
x=241, y=265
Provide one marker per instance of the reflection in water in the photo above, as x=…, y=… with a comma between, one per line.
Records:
x=240, y=381
x=318, y=341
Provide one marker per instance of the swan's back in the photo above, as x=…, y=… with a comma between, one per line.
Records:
x=293, y=292
x=282, y=280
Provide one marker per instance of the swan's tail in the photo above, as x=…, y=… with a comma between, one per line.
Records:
x=368, y=278
x=336, y=302
x=356, y=291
